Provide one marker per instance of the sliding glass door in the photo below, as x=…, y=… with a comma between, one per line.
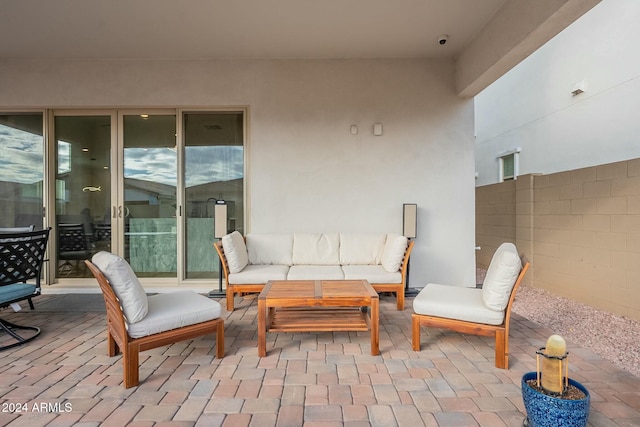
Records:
x=141, y=184
x=150, y=179
x=21, y=169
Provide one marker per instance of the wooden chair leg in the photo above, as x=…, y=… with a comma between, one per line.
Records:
x=130, y=361
x=220, y=340
x=230, y=304
x=112, y=346
x=400, y=298
x=415, y=332
x=502, y=357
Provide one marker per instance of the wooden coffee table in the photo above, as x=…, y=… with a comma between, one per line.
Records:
x=317, y=306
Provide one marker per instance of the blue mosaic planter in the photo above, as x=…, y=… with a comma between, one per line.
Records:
x=549, y=411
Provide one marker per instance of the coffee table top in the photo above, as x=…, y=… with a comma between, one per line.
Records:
x=282, y=293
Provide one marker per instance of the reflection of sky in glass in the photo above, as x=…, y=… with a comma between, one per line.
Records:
x=203, y=164
x=64, y=157
x=21, y=160
x=21, y=156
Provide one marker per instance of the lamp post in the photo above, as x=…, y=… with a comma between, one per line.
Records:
x=219, y=230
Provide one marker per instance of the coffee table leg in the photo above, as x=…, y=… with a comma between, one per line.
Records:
x=375, y=333
x=262, y=328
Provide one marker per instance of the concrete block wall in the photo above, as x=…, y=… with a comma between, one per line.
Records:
x=580, y=229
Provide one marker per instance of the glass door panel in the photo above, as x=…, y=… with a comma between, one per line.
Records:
x=21, y=170
x=150, y=180
x=83, y=191
x=213, y=172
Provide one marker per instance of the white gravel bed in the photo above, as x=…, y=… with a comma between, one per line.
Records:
x=614, y=338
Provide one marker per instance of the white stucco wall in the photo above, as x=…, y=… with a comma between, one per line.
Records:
x=532, y=106
x=306, y=172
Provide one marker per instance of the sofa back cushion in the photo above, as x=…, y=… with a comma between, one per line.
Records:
x=235, y=251
x=270, y=249
x=501, y=275
x=393, y=254
x=316, y=248
x=361, y=248
x=125, y=284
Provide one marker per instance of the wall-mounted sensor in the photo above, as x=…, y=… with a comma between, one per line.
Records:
x=442, y=39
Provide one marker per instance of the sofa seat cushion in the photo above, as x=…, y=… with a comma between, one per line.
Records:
x=174, y=310
x=454, y=302
x=255, y=274
x=373, y=273
x=16, y=291
x=315, y=272
x=316, y=249
x=361, y=248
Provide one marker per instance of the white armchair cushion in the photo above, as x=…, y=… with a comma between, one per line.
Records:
x=361, y=248
x=235, y=251
x=455, y=302
x=393, y=253
x=175, y=310
x=125, y=284
x=270, y=248
x=501, y=275
x=316, y=248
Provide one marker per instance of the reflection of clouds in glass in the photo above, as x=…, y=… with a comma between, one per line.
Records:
x=21, y=156
x=151, y=164
x=212, y=164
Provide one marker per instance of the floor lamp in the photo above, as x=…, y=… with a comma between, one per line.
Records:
x=409, y=230
x=219, y=230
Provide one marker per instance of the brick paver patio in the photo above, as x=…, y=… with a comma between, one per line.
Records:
x=65, y=378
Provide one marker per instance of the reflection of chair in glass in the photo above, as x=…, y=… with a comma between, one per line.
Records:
x=102, y=236
x=72, y=246
x=21, y=258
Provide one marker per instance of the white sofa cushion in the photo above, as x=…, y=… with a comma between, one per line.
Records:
x=256, y=274
x=393, y=253
x=316, y=248
x=174, y=310
x=372, y=273
x=315, y=272
x=270, y=248
x=235, y=251
x=361, y=248
x=125, y=284
x=501, y=275
x=454, y=302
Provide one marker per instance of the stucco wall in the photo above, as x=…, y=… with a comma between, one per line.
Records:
x=532, y=106
x=584, y=242
x=305, y=170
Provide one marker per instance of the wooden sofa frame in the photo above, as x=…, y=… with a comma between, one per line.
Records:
x=118, y=339
x=501, y=332
x=241, y=289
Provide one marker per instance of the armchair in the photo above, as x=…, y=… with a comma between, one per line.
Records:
x=136, y=322
x=484, y=312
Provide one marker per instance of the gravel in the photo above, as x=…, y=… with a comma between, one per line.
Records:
x=612, y=337
x=615, y=338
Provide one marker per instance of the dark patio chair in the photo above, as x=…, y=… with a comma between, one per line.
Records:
x=21, y=257
x=73, y=245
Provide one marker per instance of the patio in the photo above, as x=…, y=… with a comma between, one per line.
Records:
x=64, y=377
